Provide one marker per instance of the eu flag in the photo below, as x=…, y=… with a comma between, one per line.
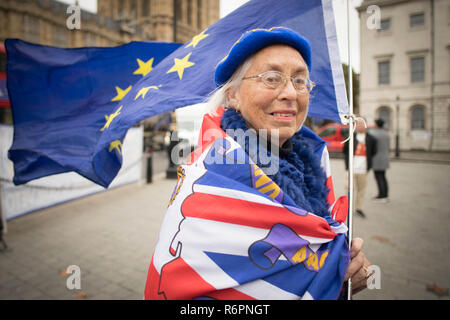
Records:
x=73, y=107
x=186, y=77
x=63, y=99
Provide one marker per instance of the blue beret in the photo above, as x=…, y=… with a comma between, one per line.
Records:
x=253, y=41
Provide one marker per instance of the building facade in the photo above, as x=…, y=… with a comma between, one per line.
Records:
x=116, y=22
x=153, y=19
x=44, y=22
x=405, y=70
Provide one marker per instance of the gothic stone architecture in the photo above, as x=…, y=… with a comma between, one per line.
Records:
x=116, y=22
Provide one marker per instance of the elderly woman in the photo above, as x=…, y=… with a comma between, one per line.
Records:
x=235, y=229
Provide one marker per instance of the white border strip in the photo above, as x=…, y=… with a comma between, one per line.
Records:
x=335, y=62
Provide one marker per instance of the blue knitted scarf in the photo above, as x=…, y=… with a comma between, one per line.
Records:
x=299, y=174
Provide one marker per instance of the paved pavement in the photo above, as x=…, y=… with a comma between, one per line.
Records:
x=413, y=156
x=111, y=236
x=423, y=156
x=409, y=237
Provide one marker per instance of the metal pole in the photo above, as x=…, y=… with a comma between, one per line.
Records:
x=350, y=149
x=397, y=135
x=149, y=172
x=430, y=147
x=2, y=224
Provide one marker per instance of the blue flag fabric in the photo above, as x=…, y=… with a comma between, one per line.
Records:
x=186, y=77
x=73, y=107
x=63, y=99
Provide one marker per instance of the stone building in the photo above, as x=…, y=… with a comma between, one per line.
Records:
x=116, y=22
x=154, y=18
x=405, y=70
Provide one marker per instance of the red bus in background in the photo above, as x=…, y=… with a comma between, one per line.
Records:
x=4, y=100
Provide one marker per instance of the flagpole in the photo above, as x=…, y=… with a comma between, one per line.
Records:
x=174, y=20
x=350, y=149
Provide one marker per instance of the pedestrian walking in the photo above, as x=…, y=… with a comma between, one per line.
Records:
x=365, y=147
x=381, y=161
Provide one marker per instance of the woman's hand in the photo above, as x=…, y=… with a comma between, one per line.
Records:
x=357, y=269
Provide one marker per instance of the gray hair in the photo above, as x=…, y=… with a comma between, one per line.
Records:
x=219, y=97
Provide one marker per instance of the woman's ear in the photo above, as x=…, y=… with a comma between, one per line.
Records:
x=232, y=94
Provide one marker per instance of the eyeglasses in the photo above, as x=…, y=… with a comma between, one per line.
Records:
x=275, y=79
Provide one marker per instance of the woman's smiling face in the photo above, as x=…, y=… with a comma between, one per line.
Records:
x=262, y=107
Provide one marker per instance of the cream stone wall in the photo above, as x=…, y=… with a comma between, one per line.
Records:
x=399, y=45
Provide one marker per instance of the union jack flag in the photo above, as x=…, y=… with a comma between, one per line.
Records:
x=231, y=233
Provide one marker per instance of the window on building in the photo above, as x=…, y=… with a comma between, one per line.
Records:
x=417, y=20
x=31, y=29
x=178, y=10
x=384, y=72
x=385, y=25
x=145, y=8
x=189, y=12
x=2, y=62
x=60, y=37
x=89, y=39
x=418, y=69
x=132, y=14
x=384, y=113
x=120, y=13
x=418, y=118
x=199, y=14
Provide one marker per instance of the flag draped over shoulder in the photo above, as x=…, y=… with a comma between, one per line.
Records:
x=230, y=232
x=64, y=99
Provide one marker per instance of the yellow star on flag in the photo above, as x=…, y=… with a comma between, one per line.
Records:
x=116, y=144
x=144, y=91
x=110, y=118
x=181, y=64
x=195, y=40
x=144, y=67
x=120, y=93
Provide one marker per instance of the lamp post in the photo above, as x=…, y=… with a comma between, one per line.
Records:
x=175, y=20
x=397, y=135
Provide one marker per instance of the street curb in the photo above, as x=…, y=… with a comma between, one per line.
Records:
x=445, y=162
x=393, y=159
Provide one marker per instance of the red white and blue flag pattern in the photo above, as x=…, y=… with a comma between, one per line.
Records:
x=231, y=233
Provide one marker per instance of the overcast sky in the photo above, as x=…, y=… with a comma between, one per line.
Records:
x=340, y=13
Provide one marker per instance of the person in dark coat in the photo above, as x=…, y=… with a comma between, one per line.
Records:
x=381, y=161
x=365, y=147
